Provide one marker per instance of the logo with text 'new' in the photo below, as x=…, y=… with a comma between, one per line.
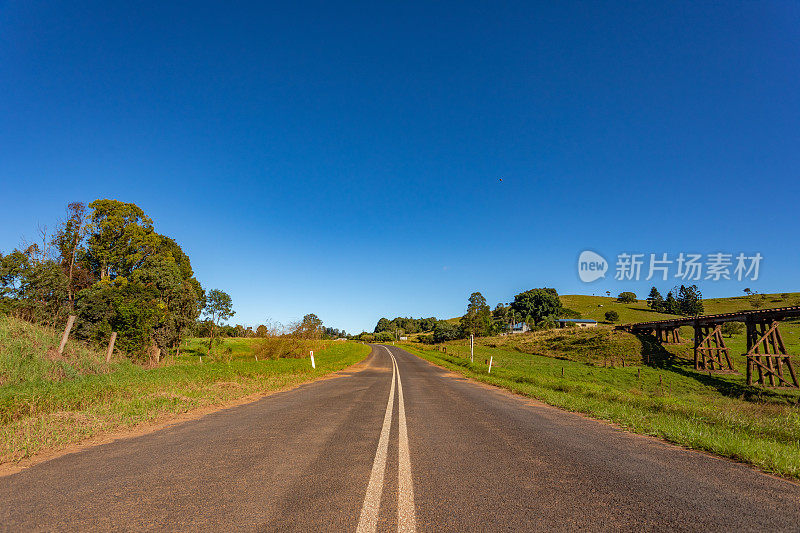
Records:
x=591, y=266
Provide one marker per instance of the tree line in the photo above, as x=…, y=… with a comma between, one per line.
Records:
x=310, y=326
x=405, y=325
x=538, y=308
x=106, y=264
x=686, y=301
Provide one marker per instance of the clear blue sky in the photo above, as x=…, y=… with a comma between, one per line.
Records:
x=345, y=158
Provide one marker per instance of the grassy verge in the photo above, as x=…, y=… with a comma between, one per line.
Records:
x=47, y=402
x=715, y=413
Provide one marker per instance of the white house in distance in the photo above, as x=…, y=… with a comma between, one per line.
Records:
x=519, y=327
x=579, y=322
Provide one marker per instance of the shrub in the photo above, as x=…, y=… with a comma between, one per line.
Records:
x=547, y=322
x=444, y=331
x=612, y=316
x=384, y=336
x=626, y=297
x=285, y=346
x=425, y=339
x=732, y=328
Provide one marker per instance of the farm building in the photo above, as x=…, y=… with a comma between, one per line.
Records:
x=519, y=327
x=578, y=322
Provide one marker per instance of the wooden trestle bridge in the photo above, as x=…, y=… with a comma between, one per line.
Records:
x=767, y=358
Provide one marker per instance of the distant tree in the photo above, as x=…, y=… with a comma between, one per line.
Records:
x=383, y=336
x=500, y=312
x=655, y=301
x=690, y=300
x=748, y=291
x=219, y=306
x=608, y=293
x=407, y=324
x=732, y=328
x=756, y=299
x=671, y=305
x=427, y=324
x=537, y=304
x=444, y=331
x=365, y=336
x=626, y=297
x=477, y=320
x=310, y=327
x=612, y=316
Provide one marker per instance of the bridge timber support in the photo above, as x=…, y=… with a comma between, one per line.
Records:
x=710, y=352
x=768, y=364
x=766, y=355
x=668, y=335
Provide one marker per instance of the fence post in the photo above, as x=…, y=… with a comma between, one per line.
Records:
x=111, y=346
x=471, y=348
x=65, y=336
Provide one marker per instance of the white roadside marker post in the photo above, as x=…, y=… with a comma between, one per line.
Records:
x=312, y=360
x=490, y=363
x=471, y=348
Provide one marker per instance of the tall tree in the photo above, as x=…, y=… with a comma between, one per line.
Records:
x=382, y=325
x=219, y=307
x=477, y=320
x=537, y=304
x=69, y=240
x=121, y=237
x=690, y=300
x=671, y=305
x=655, y=301
x=310, y=327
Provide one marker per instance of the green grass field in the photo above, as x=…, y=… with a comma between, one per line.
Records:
x=49, y=402
x=666, y=398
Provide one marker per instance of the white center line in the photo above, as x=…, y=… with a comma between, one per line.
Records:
x=368, y=522
x=406, y=516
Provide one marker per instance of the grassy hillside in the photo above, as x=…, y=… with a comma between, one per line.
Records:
x=49, y=402
x=595, y=307
x=596, y=346
x=28, y=353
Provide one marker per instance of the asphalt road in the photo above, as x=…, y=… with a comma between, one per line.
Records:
x=412, y=449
